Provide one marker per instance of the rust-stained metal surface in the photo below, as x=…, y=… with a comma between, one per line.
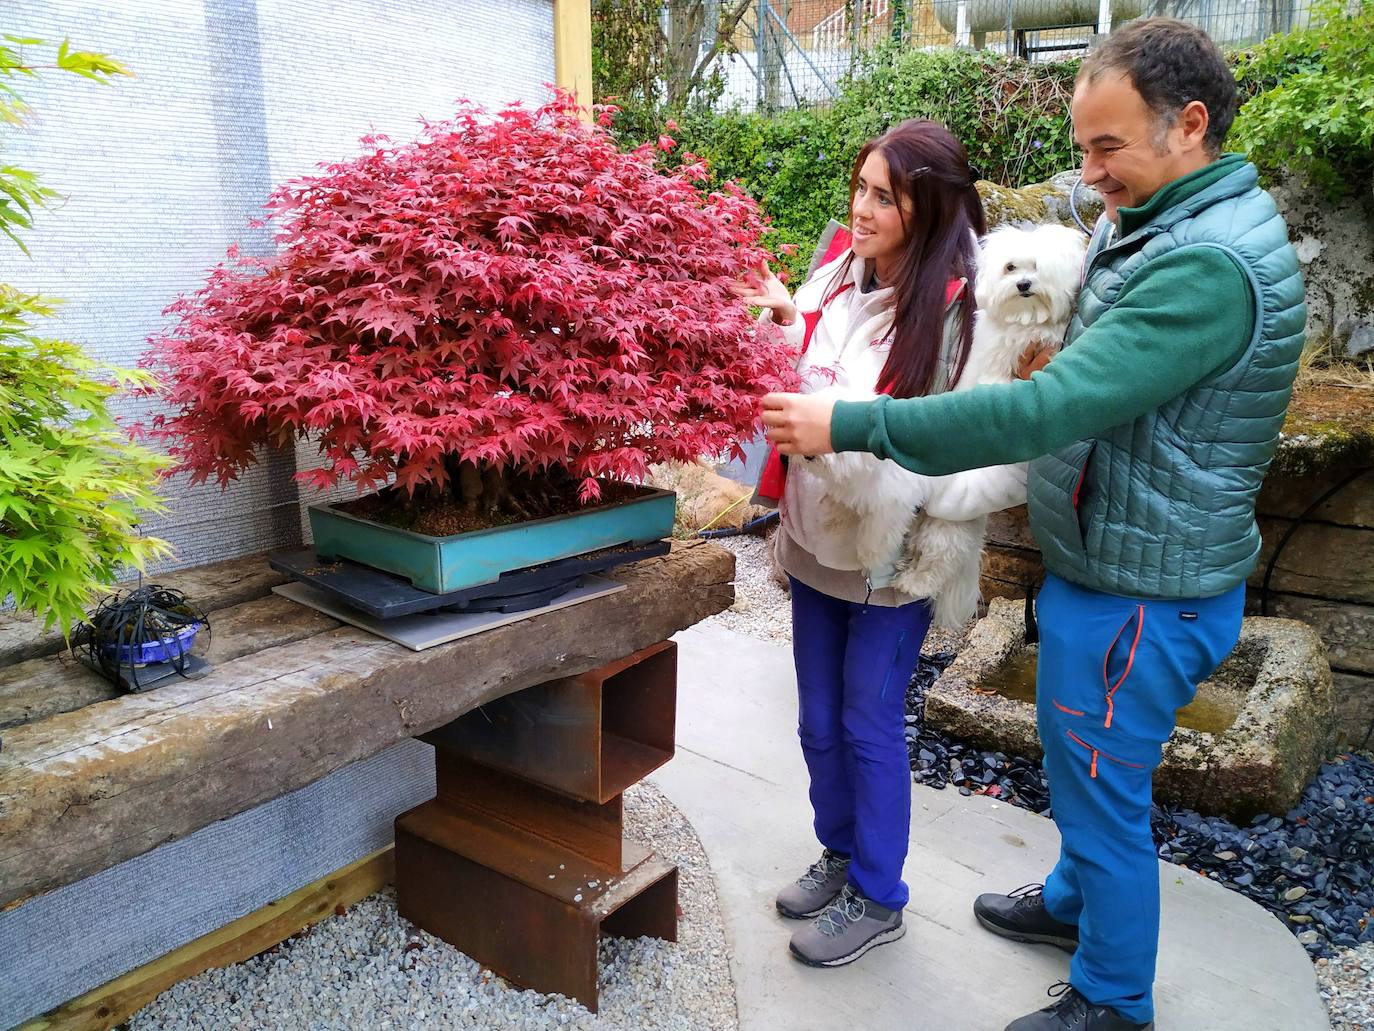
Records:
x=520, y=860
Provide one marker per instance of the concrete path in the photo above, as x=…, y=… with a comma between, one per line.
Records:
x=738, y=776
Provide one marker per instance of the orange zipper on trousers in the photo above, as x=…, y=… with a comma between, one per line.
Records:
x=1092, y=769
x=1130, y=660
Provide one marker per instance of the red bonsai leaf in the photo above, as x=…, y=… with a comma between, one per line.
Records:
x=512, y=291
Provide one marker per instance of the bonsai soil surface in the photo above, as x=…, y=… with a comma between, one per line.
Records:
x=441, y=517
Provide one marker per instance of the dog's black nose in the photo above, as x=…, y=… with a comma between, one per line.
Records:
x=1024, y=286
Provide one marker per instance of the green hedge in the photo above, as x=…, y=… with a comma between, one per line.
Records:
x=1310, y=102
x=1011, y=116
x=1308, y=107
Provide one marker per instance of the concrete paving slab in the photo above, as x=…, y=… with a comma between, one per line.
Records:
x=1225, y=963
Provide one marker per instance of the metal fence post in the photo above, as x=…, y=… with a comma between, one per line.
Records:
x=855, y=16
x=760, y=38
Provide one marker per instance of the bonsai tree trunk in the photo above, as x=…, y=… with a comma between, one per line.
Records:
x=492, y=489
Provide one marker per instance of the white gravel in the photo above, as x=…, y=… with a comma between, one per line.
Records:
x=762, y=608
x=371, y=969
x=1347, y=986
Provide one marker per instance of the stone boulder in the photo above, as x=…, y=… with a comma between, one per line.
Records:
x=1269, y=706
x=1335, y=244
x=1039, y=203
x=705, y=497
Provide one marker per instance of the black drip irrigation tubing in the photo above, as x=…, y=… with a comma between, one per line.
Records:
x=753, y=526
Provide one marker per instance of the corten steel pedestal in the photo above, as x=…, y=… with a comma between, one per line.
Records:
x=520, y=860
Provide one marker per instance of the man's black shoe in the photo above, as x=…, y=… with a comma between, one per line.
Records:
x=1071, y=1011
x=1022, y=917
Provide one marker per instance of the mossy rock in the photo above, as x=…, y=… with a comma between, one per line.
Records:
x=1327, y=427
x=1038, y=203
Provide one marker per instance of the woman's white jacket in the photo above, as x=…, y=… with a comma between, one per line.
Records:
x=846, y=354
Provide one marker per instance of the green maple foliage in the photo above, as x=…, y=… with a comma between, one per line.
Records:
x=72, y=484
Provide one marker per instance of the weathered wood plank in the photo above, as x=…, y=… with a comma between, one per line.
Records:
x=1347, y=628
x=1321, y=561
x=83, y=790
x=1353, y=694
x=216, y=585
x=1011, y=529
x=36, y=688
x=113, y=1003
x=1007, y=571
x=1289, y=496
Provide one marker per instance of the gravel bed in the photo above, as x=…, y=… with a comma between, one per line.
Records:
x=369, y=968
x=1346, y=985
x=762, y=609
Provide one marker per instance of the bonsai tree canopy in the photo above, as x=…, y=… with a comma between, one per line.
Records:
x=508, y=301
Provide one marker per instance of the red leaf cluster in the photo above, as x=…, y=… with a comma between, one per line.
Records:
x=510, y=290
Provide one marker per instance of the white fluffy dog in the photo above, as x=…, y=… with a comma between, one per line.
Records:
x=1026, y=286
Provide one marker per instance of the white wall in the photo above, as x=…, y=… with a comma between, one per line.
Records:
x=162, y=172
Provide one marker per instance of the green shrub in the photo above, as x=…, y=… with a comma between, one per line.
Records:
x=1310, y=106
x=1012, y=116
x=71, y=483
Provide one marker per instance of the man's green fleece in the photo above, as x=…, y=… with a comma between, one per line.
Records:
x=1165, y=334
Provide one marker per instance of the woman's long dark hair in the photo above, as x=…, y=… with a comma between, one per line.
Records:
x=927, y=167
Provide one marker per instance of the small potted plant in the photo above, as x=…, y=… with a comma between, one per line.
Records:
x=501, y=326
x=139, y=637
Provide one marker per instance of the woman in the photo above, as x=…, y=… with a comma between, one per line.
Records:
x=893, y=314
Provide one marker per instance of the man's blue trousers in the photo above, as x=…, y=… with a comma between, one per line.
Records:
x=853, y=666
x=1112, y=674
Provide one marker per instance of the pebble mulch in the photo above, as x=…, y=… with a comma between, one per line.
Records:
x=369, y=968
x=1347, y=985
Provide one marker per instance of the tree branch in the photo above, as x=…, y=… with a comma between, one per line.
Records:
x=724, y=30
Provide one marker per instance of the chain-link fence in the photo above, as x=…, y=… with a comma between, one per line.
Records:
x=771, y=54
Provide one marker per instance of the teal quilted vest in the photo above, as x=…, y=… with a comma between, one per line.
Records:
x=1164, y=506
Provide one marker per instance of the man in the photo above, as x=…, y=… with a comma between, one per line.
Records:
x=1150, y=433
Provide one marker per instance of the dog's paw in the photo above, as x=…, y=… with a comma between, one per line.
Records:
x=915, y=584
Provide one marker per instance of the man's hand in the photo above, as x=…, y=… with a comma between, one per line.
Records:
x=1036, y=356
x=798, y=424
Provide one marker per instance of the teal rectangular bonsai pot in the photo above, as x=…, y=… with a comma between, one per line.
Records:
x=443, y=564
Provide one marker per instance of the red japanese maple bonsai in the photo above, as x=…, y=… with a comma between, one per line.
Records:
x=508, y=305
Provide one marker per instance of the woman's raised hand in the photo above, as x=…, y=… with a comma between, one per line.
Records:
x=763, y=289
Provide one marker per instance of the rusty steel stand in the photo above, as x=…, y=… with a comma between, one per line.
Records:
x=520, y=860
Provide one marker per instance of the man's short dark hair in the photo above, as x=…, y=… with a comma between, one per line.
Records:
x=1170, y=63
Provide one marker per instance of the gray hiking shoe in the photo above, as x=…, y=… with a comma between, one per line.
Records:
x=848, y=928
x=815, y=889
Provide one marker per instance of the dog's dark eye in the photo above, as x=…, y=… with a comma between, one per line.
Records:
x=1011, y=267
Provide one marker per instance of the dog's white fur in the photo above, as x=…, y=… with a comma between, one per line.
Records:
x=1026, y=286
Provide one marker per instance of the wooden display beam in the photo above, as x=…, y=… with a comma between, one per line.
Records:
x=89, y=788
